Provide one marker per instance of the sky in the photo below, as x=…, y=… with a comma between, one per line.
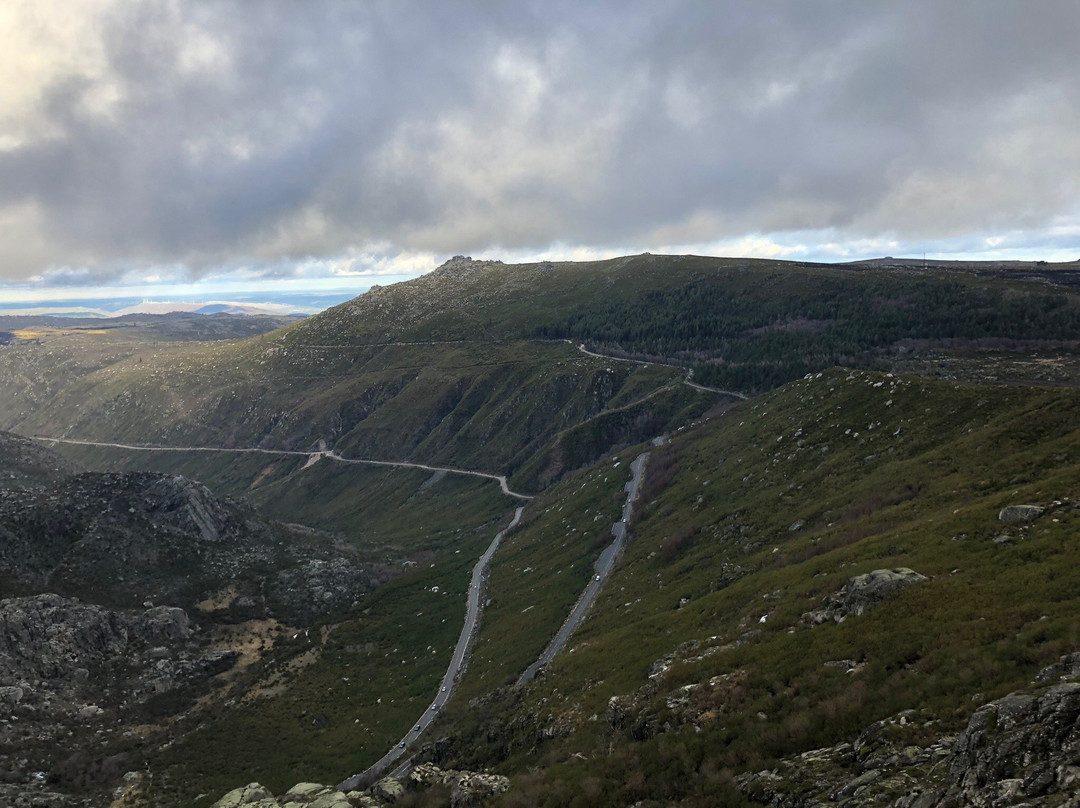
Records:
x=163, y=147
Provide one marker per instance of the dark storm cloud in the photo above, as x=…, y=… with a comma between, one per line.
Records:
x=266, y=131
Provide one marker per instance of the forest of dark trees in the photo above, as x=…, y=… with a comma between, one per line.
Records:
x=757, y=335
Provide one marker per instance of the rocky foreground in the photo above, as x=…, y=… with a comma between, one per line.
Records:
x=1023, y=749
x=460, y=789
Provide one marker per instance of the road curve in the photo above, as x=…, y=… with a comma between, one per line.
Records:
x=474, y=608
x=603, y=566
x=331, y=455
x=686, y=380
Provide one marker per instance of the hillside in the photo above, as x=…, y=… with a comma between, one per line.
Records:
x=468, y=365
x=735, y=634
x=857, y=558
x=743, y=324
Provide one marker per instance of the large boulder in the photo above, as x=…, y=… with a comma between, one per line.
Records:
x=389, y=789
x=863, y=592
x=249, y=796
x=164, y=625
x=314, y=795
x=1020, y=513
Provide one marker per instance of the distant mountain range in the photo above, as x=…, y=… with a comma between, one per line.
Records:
x=278, y=303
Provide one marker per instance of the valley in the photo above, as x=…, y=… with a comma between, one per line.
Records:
x=405, y=508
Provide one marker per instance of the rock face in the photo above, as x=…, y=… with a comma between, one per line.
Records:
x=1023, y=749
x=123, y=539
x=1020, y=748
x=862, y=592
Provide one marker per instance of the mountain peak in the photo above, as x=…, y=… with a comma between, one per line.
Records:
x=461, y=265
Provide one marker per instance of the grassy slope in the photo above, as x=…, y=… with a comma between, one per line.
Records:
x=884, y=472
x=490, y=407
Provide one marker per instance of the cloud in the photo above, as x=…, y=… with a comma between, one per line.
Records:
x=290, y=138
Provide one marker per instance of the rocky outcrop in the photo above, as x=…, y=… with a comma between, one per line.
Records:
x=250, y=795
x=1023, y=749
x=467, y=789
x=68, y=642
x=75, y=677
x=124, y=539
x=461, y=266
x=863, y=592
x=1020, y=513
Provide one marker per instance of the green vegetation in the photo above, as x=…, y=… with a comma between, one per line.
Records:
x=487, y=407
x=763, y=327
x=328, y=704
x=749, y=518
x=540, y=570
x=881, y=472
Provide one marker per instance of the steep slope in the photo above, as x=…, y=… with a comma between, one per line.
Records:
x=489, y=407
x=850, y=549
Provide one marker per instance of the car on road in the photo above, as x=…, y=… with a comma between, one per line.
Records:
x=598, y=577
x=401, y=745
x=416, y=728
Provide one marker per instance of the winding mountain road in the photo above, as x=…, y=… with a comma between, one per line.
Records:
x=474, y=605
x=686, y=380
x=473, y=610
x=603, y=566
x=329, y=454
